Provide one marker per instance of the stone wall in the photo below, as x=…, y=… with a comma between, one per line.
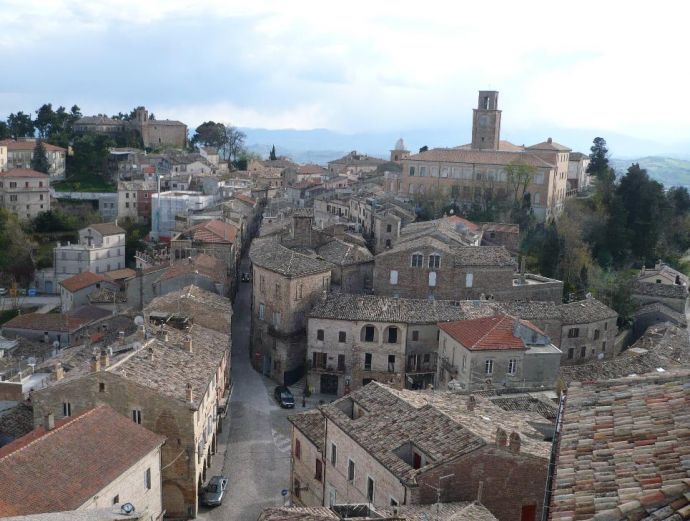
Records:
x=597, y=338
x=304, y=471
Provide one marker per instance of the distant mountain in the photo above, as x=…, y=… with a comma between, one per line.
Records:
x=321, y=145
x=671, y=171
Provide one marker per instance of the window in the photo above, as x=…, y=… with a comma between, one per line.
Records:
x=342, y=337
x=298, y=449
x=262, y=310
x=415, y=335
x=432, y=279
x=469, y=280
x=603, y=346
x=116, y=499
x=391, y=363
x=296, y=489
x=299, y=291
x=394, y=277
x=571, y=353
x=341, y=362
x=350, y=470
x=13, y=197
x=147, y=479
x=434, y=260
x=583, y=351
x=136, y=416
x=606, y=326
x=276, y=318
x=101, y=387
x=370, y=489
x=573, y=332
x=464, y=362
x=13, y=184
x=319, y=334
x=277, y=290
x=392, y=335
x=318, y=475
x=512, y=366
x=369, y=333
x=367, y=361
x=394, y=502
x=411, y=171
x=417, y=260
x=66, y=409
x=262, y=284
x=334, y=454
x=126, y=205
x=489, y=367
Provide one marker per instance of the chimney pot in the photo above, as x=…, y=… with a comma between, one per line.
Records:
x=471, y=402
x=501, y=437
x=150, y=353
x=59, y=371
x=190, y=393
x=514, y=444
x=188, y=344
x=49, y=421
x=95, y=364
x=104, y=359
x=141, y=331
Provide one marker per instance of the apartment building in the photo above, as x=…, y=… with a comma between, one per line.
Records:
x=24, y=192
x=20, y=153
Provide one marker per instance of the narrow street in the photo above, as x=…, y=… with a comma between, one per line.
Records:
x=256, y=433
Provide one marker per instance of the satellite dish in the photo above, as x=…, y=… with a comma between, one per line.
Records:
x=127, y=508
x=139, y=320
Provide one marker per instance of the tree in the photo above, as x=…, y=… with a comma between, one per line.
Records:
x=210, y=134
x=39, y=160
x=425, y=148
x=90, y=154
x=20, y=125
x=45, y=120
x=679, y=199
x=430, y=203
x=272, y=156
x=4, y=130
x=16, y=262
x=234, y=142
x=598, y=159
x=519, y=175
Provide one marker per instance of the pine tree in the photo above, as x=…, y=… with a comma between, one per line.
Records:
x=272, y=156
x=39, y=160
x=599, y=161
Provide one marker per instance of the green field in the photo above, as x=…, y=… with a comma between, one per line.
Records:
x=667, y=170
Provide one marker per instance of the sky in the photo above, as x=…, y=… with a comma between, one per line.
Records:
x=610, y=68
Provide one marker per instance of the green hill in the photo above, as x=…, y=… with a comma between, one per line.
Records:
x=667, y=170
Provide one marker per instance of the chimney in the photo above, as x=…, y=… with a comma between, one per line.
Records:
x=501, y=437
x=471, y=402
x=48, y=421
x=190, y=393
x=514, y=444
x=187, y=344
x=121, y=337
x=95, y=364
x=141, y=332
x=105, y=359
x=150, y=353
x=549, y=140
x=59, y=371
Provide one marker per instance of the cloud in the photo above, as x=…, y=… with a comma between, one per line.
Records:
x=355, y=66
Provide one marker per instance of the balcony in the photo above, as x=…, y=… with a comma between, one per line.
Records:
x=327, y=368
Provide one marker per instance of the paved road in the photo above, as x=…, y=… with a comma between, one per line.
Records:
x=29, y=301
x=256, y=433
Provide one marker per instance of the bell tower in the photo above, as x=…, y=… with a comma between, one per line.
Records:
x=486, y=121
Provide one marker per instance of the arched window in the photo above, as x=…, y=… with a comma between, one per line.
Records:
x=434, y=261
x=369, y=333
x=391, y=335
x=417, y=260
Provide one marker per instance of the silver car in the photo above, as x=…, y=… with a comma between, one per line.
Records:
x=214, y=491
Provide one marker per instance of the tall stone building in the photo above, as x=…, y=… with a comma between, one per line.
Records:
x=486, y=122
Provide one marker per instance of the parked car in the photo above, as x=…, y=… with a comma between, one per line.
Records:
x=284, y=397
x=213, y=493
x=245, y=277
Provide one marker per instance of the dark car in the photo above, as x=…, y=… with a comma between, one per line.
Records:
x=213, y=493
x=284, y=397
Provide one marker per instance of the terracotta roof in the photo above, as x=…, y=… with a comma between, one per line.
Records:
x=374, y=308
x=530, y=310
x=343, y=253
x=23, y=172
x=660, y=290
x=28, y=144
x=82, y=280
x=271, y=255
x=17, y=421
x=503, y=145
x=65, y=467
x=455, y=219
x=312, y=425
x=45, y=322
x=311, y=169
x=487, y=333
x=483, y=256
x=106, y=228
x=585, y=311
x=244, y=198
x=624, y=451
x=124, y=273
x=205, y=308
x=550, y=145
x=487, y=157
x=577, y=156
x=203, y=264
x=214, y=231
